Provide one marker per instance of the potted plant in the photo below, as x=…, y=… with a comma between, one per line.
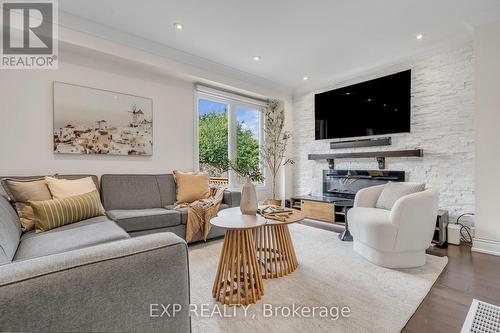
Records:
x=248, y=204
x=275, y=143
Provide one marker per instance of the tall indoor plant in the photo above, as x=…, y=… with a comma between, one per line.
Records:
x=275, y=142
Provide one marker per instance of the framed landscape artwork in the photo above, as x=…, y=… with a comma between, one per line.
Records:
x=95, y=121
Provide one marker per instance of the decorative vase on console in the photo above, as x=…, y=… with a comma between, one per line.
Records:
x=248, y=203
x=251, y=173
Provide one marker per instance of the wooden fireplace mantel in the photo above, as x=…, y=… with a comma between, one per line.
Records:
x=379, y=155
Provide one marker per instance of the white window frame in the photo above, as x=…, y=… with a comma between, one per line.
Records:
x=233, y=101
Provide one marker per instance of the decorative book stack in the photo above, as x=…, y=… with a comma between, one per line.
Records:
x=277, y=213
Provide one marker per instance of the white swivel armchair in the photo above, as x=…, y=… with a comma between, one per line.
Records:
x=395, y=238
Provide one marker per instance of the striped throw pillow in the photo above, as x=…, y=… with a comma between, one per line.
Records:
x=50, y=214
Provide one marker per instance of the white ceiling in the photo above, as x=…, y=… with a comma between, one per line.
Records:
x=326, y=40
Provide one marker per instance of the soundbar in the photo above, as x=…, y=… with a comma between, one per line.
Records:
x=385, y=141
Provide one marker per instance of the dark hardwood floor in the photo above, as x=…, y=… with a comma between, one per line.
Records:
x=468, y=275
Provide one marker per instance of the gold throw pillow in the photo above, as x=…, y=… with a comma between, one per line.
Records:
x=191, y=186
x=20, y=192
x=63, y=188
x=50, y=214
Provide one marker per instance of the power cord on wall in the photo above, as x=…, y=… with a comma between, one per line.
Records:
x=465, y=231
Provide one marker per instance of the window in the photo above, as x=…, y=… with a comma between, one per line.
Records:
x=228, y=127
x=213, y=137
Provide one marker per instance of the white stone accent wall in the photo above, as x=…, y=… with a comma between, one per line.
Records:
x=442, y=124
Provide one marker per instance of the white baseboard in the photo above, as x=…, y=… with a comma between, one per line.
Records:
x=486, y=246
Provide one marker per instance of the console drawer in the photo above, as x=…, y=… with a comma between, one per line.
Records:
x=323, y=211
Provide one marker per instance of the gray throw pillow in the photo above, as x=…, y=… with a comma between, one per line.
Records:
x=394, y=190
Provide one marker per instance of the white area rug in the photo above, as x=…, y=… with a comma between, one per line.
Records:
x=330, y=274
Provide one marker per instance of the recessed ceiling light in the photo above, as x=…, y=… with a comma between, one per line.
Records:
x=178, y=26
x=256, y=58
x=305, y=78
x=420, y=36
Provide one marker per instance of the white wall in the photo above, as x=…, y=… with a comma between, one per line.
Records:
x=487, y=78
x=442, y=124
x=26, y=120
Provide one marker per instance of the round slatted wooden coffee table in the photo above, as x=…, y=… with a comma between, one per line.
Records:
x=239, y=278
x=275, y=248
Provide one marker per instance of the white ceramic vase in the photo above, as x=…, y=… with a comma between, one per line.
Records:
x=248, y=203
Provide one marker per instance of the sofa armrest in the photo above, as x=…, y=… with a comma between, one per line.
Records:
x=107, y=287
x=367, y=197
x=232, y=198
x=415, y=216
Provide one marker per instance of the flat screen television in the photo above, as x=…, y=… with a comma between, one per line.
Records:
x=380, y=106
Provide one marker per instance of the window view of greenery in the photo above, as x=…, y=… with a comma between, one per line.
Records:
x=213, y=137
x=247, y=137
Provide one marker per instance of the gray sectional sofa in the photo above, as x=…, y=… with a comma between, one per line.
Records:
x=92, y=275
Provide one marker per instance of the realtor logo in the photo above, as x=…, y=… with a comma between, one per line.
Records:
x=29, y=35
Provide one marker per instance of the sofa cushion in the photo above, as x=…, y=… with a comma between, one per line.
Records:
x=184, y=211
x=20, y=191
x=50, y=214
x=74, y=236
x=191, y=186
x=373, y=227
x=145, y=219
x=63, y=188
x=120, y=192
x=76, y=176
x=232, y=198
x=72, y=177
x=23, y=190
x=179, y=230
x=10, y=231
x=394, y=190
x=166, y=184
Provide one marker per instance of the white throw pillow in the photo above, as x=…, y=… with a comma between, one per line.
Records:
x=63, y=188
x=394, y=190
